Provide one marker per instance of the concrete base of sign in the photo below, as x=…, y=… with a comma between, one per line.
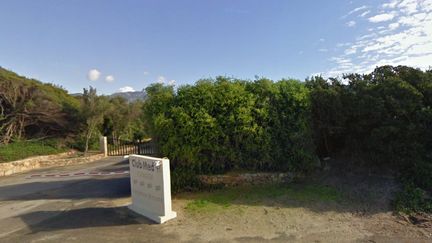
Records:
x=156, y=218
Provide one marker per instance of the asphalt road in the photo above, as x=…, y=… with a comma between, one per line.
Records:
x=85, y=203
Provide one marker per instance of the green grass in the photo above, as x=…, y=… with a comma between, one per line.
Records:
x=252, y=195
x=24, y=149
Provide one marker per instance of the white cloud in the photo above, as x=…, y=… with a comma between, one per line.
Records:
x=323, y=50
x=405, y=40
x=351, y=50
x=351, y=23
x=381, y=17
x=93, y=74
x=343, y=44
x=365, y=13
x=146, y=73
x=126, y=89
x=355, y=10
x=358, y=9
x=109, y=78
x=322, y=40
x=409, y=7
x=391, y=4
x=161, y=79
x=393, y=26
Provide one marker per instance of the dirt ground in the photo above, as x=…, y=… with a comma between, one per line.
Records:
x=363, y=215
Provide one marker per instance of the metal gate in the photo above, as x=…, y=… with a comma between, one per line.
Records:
x=119, y=147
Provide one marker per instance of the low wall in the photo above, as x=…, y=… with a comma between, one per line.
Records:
x=45, y=161
x=247, y=179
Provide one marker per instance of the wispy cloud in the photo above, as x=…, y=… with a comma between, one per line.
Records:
x=404, y=39
x=391, y=4
x=365, y=13
x=355, y=10
x=351, y=23
x=381, y=17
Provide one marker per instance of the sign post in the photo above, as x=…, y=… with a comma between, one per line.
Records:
x=151, y=188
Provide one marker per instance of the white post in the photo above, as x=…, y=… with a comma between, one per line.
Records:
x=103, y=145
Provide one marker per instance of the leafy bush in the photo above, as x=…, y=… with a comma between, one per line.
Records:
x=225, y=124
x=413, y=199
x=184, y=179
x=384, y=117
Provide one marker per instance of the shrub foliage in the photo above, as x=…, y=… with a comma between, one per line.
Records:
x=224, y=124
x=385, y=118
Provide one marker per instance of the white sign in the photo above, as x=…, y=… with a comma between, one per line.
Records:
x=151, y=187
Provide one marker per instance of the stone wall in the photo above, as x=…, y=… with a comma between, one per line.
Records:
x=45, y=161
x=246, y=179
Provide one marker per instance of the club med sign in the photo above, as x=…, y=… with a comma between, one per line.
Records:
x=151, y=187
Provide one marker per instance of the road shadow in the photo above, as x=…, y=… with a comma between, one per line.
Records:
x=92, y=224
x=84, y=188
x=122, y=165
x=81, y=218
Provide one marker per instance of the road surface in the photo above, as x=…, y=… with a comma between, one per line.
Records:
x=73, y=203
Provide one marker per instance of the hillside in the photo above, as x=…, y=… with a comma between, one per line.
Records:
x=131, y=96
x=30, y=108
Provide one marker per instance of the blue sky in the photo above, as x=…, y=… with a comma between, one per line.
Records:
x=125, y=45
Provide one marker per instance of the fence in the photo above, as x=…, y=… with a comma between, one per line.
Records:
x=119, y=147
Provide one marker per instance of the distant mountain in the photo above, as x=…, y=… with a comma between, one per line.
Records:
x=131, y=96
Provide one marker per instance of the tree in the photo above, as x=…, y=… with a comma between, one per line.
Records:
x=93, y=109
x=123, y=119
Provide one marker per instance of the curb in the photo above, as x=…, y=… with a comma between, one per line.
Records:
x=76, y=174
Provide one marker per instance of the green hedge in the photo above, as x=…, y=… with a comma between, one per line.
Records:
x=219, y=125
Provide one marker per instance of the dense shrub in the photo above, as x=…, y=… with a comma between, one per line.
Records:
x=384, y=117
x=184, y=179
x=219, y=125
x=413, y=199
